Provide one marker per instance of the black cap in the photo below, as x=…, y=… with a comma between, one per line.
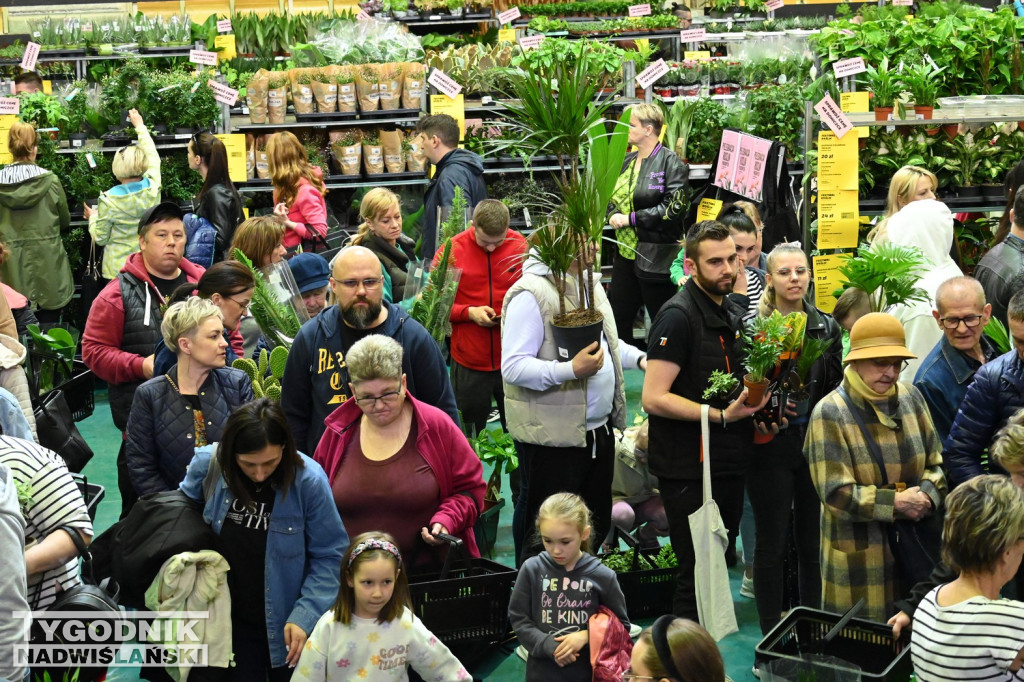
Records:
x=162, y=211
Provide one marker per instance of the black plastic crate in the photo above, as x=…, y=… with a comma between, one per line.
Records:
x=79, y=392
x=93, y=493
x=470, y=604
x=648, y=591
x=866, y=644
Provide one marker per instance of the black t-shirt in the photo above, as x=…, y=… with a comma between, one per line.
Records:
x=243, y=540
x=166, y=286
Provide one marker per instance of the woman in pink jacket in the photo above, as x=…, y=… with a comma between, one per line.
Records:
x=398, y=465
x=298, y=190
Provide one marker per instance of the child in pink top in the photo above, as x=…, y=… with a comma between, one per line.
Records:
x=298, y=190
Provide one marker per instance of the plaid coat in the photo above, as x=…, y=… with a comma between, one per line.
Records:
x=856, y=561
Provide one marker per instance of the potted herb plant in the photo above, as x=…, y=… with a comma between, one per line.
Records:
x=455, y=7
x=884, y=84
x=720, y=385
x=764, y=343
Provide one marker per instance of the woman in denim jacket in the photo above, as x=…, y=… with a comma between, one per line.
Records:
x=280, y=532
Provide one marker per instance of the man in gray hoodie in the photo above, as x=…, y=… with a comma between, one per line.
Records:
x=13, y=583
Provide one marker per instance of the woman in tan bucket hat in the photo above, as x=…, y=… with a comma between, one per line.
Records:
x=860, y=500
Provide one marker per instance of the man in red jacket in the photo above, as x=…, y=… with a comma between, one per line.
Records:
x=124, y=322
x=491, y=258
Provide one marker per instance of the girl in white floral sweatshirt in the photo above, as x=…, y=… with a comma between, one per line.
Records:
x=371, y=634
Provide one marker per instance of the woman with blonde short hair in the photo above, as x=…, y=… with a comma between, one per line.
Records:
x=381, y=232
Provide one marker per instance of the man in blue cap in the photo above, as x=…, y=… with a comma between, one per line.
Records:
x=311, y=273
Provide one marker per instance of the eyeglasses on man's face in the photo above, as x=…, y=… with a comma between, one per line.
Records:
x=970, y=321
x=370, y=283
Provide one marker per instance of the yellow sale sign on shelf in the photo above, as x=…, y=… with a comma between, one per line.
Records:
x=235, y=145
x=697, y=55
x=838, y=219
x=708, y=209
x=854, y=102
x=456, y=108
x=225, y=46
x=507, y=35
x=6, y=122
x=837, y=161
x=827, y=279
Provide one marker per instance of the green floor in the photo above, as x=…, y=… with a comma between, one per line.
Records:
x=501, y=664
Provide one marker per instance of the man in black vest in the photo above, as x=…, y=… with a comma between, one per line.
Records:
x=124, y=321
x=698, y=331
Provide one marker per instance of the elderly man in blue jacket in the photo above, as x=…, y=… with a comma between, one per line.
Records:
x=995, y=395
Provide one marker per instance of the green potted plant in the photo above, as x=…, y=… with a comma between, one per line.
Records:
x=455, y=7
x=267, y=373
x=921, y=82
x=432, y=308
x=493, y=447
x=45, y=112
x=720, y=385
x=885, y=87
x=887, y=272
x=811, y=350
x=964, y=158
x=764, y=344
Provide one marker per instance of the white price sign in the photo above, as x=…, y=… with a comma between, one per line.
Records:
x=223, y=93
x=202, y=57
x=224, y=26
x=28, y=60
x=693, y=35
x=832, y=116
x=10, y=105
x=530, y=42
x=640, y=10
x=849, y=67
x=509, y=15
x=440, y=80
x=652, y=73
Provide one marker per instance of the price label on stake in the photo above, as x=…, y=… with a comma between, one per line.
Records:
x=708, y=209
x=89, y=158
x=223, y=93
x=905, y=3
x=832, y=116
x=202, y=57
x=10, y=105
x=28, y=59
x=652, y=73
x=849, y=67
x=640, y=10
x=693, y=35
x=362, y=16
x=530, y=42
x=224, y=26
x=509, y=15
x=440, y=80
x=773, y=5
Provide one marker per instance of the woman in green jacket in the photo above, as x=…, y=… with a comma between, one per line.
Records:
x=33, y=213
x=114, y=223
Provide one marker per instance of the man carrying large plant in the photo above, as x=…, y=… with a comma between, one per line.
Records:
x=694, y=334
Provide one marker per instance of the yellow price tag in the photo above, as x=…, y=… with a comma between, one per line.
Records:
x=5, y=127
x=837, y=161
x=507, y=35
x=235, y=145
x=854, y=102
x=708, y=209
x=225, y=46
x=642, y=43
x=456, y=108
x=245, y=212
x=697, y=55
x=838, y=219
x=47, y=87
x=827, y=279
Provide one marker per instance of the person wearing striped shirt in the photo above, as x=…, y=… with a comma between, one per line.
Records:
x=52, y=560
x=963, y=630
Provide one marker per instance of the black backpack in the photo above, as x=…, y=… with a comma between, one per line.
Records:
x=159, y=526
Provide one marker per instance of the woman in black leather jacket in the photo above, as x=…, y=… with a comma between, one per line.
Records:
x=648, y=206
x=778, y=478
x=381, y=232
x=174, y=413
x=218, y=201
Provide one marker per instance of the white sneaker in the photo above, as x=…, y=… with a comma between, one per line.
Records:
x=521, y=652
x=747, y=588
x=756, y=671
x=634, y=630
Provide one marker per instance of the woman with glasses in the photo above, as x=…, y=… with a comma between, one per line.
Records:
x=675, y=650
x=228, y=285
x=779, y=482
x=114, y=223
x=874, y=458
x=396, y=464
x=176, y=412
x=218, y=201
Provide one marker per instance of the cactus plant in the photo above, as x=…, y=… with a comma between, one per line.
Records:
x=265, y=372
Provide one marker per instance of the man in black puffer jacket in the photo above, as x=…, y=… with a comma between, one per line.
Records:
x=995, y=395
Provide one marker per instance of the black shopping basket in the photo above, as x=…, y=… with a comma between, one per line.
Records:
x=467, y=603
x=867, y=645
x=48, y=371
x=646, y=588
